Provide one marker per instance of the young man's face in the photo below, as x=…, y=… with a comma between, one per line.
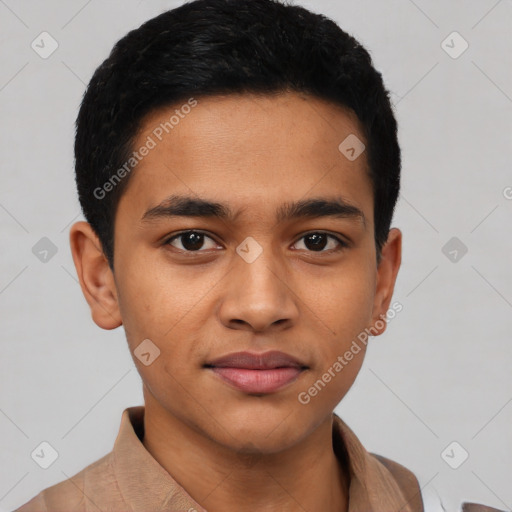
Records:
x=200, y=298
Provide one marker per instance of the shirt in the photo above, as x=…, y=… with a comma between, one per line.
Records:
x=130, y=479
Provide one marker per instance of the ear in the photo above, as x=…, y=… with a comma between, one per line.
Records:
x=387, y=272
x=95, y=276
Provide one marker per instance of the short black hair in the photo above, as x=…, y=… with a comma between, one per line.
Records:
x=214, y=47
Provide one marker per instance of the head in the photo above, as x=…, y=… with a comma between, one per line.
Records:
x=238, y=166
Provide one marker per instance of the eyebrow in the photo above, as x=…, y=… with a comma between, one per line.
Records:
x=188, y=206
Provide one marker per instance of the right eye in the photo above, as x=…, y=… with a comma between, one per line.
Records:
x=190, y=241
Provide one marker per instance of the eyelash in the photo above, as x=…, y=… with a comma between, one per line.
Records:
x=342, y=243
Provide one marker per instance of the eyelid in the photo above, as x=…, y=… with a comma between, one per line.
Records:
x=343, y=244
x=167, y=240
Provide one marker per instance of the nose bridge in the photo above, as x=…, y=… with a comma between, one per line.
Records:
x=259, y=267
x=257, y=295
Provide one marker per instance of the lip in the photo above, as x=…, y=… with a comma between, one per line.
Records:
x=259, y=373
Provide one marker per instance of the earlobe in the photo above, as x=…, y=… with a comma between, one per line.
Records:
x=95, y=276
x=387, y=272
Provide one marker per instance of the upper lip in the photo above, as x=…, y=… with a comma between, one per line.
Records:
x=257, y=361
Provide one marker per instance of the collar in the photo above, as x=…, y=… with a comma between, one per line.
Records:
x=372, y=487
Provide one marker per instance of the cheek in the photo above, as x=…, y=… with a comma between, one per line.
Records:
x=343, y=307
x=166, y=310
x=153, y=299
x=343, y=301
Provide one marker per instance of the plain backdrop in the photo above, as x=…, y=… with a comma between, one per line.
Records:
x=441, y=372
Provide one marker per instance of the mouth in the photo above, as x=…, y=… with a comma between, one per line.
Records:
x=255, y=373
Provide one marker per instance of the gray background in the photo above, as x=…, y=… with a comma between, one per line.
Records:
x=441, y=372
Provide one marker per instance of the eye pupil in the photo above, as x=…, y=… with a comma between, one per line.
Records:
x=319, y=241
x=192, y=241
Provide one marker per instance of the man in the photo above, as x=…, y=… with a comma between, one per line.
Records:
x=238, y=166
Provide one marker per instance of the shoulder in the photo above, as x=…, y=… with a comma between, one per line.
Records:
x=477, y=507
x=406, y=480
x=410, y=488
x=94, y=484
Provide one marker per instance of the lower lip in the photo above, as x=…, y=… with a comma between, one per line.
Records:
x=258, y=381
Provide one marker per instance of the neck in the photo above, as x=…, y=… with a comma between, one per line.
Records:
x=307, y=476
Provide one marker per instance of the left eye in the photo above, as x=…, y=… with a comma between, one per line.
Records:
x=317, y=241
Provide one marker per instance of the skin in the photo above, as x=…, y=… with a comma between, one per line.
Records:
x=229, y=449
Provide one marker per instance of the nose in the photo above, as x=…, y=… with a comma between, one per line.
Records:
x=258, y=295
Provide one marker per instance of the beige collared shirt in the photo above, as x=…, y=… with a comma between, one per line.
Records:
x=130, y=479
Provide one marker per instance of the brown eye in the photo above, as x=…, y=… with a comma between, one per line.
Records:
x=190, y=241
x=317, y=241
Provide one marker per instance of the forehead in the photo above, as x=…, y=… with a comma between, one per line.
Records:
x=248, y=150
